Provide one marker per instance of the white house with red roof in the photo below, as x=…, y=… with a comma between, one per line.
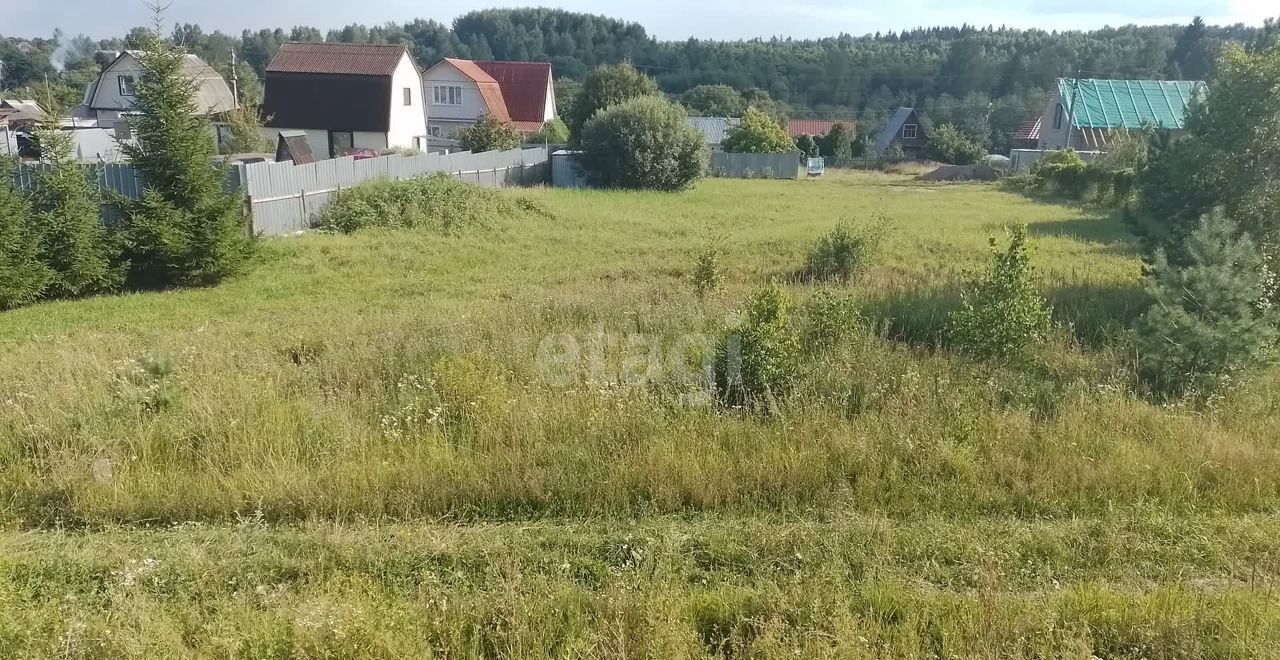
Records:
x=461, y=92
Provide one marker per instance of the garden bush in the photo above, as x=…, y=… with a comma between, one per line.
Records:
x=489, y=134
x=828, y=319
x=708, y=271
x=644, y=143
x=1209, y=322
x=1061, y=172
x=759, y=358
x=949, y=145
x=1002, y=314
x=603, y=88
x=842, y=254
x=437, y=203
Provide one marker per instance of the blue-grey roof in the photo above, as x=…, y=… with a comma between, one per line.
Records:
x=892, y=129
x=714, y=129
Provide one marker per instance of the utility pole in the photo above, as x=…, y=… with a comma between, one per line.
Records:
x=235, y=79
x=1071, y=111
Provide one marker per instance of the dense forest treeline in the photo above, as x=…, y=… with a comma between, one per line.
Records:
x=986, y=80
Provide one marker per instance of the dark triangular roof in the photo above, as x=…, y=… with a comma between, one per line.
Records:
x=893, y=128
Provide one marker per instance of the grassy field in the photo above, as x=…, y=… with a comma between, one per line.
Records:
x=491, y=444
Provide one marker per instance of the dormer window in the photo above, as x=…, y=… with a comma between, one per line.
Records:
x=909, y=131
x=126, y=86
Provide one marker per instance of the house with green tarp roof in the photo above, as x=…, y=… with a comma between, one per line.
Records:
x=1086, y=114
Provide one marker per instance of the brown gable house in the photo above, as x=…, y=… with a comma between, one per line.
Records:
x=346, y=97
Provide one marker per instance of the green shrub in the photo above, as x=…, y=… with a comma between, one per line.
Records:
x=1003, y=313
x=844, y=253
x=553, y=132
x=489, y=134
x=438, y=203
x=759, y=358
x=67, y=208
x=1062, y=172
x=708, y=271
x=644, y=143
x=948, y=144
x=187, y=230
x=758, y=133
x=837, y=145
x=808, y=147
x=829, y=319
x=1209, y=323
x=23, y=278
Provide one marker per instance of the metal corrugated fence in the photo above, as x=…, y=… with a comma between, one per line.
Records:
x=756, y=166
x=283, y=198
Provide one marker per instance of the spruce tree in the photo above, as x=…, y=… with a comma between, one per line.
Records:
x=22, y=277
x=187, y=230
x=67, y=210
x=1210, y=322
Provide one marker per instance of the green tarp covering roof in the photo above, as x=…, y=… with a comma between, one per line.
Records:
x=1128, y=103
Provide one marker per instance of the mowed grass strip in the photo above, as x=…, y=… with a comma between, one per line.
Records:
x=1151, y=587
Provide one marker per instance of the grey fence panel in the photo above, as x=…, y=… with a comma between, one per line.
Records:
x=283, y=198
x=764, y=166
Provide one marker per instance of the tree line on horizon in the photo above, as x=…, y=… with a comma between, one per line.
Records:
x=984, y=80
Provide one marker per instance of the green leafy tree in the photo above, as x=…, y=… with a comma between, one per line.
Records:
x=245, y=128
x=187, y=230
x=23, y=278
x=714, y=101
x=808, y=146
x=605, y=87
x=553, y=132
x=489, y=134
x=837, y=145
x=1210, y=323
x=948, y=145
x=1002, y=314
x=1230, y=158
x=67, y=207
x=758, y=133
x=644, y=143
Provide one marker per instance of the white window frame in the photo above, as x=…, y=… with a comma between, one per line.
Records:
x=446, y=95
x=434, y=131
x=408, y=96
x=127, y=85
x=915, y=131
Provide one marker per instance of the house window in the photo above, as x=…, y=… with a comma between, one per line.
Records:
x=1057, y=117
x=433, y=131
x=126, y=86
x=408, y=96
x=909, y=131
x=341, y=142
x=446, y=94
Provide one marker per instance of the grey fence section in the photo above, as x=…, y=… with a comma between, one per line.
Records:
x=565, y=170
x=1021, y=160
x=283, y=198
x=114, y=178
x=756, y=166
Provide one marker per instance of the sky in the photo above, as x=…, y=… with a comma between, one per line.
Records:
x=665, y=19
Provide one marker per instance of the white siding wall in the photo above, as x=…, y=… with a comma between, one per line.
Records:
x=472, y=107
x=550, y=112
x=407, y=121
x=373, y=141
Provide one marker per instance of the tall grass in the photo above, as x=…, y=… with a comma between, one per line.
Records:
x=361, y=449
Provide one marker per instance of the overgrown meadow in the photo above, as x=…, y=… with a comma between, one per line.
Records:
x=494, y=437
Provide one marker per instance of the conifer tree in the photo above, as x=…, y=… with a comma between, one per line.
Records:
x=22, y=277
x=1210, y=321
x=187, y=229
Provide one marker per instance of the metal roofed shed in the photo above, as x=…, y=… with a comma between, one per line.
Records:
x=292, y=146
